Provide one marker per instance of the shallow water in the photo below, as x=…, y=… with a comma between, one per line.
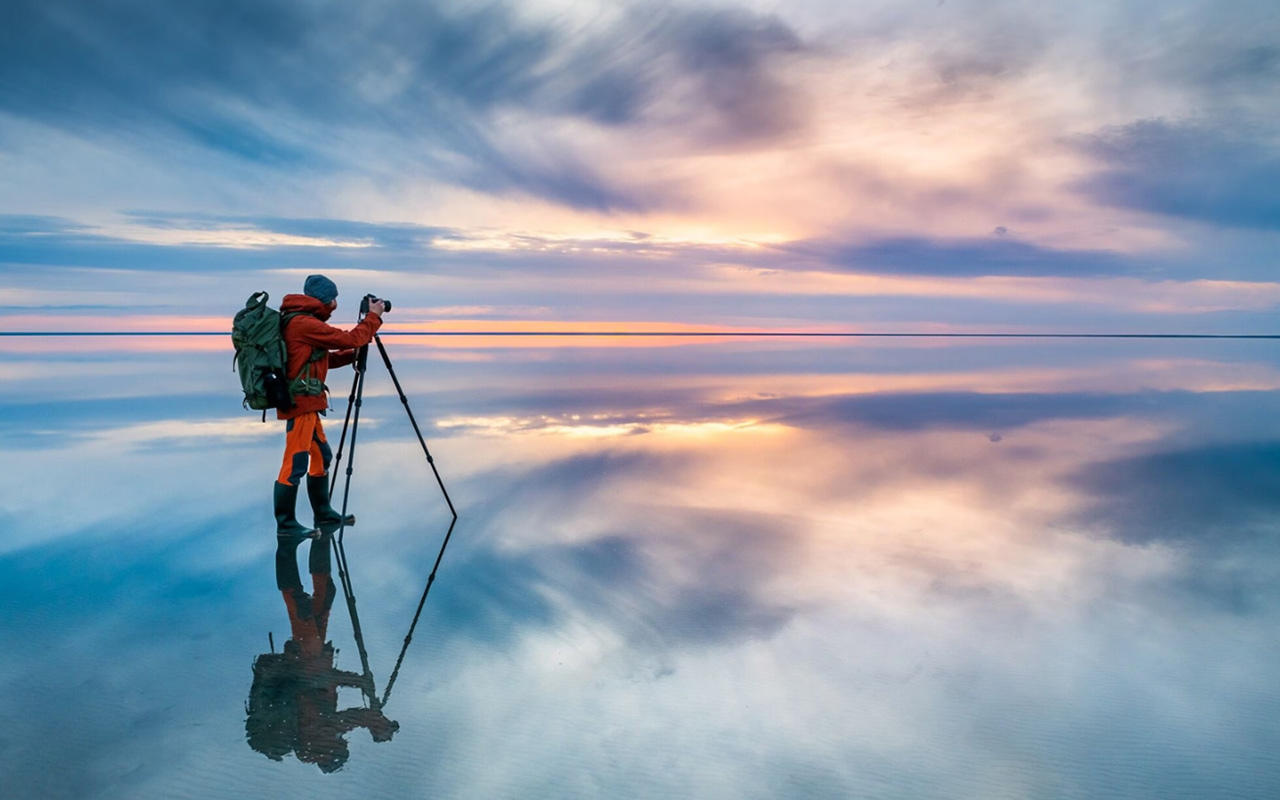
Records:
x=928, y=569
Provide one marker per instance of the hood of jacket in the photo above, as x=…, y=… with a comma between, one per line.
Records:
x=306, y=304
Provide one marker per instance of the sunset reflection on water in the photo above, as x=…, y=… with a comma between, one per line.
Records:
x=727, y=569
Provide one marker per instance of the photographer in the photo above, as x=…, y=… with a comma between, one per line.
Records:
x=313, y=347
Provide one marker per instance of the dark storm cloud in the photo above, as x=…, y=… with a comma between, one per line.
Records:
x=1225, y=173
x=241, y=78
x=996, y=255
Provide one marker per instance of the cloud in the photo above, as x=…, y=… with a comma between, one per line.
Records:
x=210, y=243
x=680, y=578
x=29, y=224
x=884, y=410
x=954, y=603
x=999, y=254
x=387, y=235
x=614, y=581
x=1254, y=65
x=1207, y=495
x=1216, y=504
x=393, y=85
x=55, y=422
x=1224, y=173
x=938, y=410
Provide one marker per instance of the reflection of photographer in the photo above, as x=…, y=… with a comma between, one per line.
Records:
x=293, y=703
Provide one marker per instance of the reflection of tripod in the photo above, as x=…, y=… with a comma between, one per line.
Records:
x=352, y=422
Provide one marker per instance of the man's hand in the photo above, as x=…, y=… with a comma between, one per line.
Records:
x=378, y=307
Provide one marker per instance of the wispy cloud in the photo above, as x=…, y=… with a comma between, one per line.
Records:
x=436, y=80
x=998, y=254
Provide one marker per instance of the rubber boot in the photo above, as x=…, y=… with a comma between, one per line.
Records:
x=287, y=525
x=287, y=577
x=318, y=560
x=327, y=518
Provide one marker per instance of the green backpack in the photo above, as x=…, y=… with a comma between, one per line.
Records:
x=261, y=358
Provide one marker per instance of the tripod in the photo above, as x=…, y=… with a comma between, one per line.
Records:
x=352, y=422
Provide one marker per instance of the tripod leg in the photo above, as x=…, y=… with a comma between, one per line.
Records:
x=386, y=359
x=349, y=595
x=346, y=422
x=408, y=637
x=354, y=405
x=352, y=421
x=362, y=360
x=356, y=396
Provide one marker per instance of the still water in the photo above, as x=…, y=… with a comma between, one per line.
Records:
x=729, y=569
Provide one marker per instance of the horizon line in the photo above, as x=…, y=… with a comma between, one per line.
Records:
x=718, y=334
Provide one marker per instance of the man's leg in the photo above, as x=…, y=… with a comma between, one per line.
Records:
x=327, y=518
x=321, y=455
x=297, y=447
x=299, y=433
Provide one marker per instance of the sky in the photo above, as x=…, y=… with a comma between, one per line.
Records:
x=1058, y=531
x=943, y=165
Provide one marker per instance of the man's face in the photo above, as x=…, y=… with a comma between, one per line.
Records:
x=333, y=304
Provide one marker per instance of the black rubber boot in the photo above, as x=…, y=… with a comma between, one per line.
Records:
x=318, y=561
x=287, y=576
x=327, y=518
x=287, y=525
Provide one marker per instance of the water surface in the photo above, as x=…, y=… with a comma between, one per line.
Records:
x=928, y=569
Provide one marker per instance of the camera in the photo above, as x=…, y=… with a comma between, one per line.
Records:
x=369, y=298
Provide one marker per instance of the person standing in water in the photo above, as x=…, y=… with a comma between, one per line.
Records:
x=313, y=346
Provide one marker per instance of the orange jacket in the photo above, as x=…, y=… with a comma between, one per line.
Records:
x=307, y=331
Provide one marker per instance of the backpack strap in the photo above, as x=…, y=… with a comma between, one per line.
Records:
x=306, y=374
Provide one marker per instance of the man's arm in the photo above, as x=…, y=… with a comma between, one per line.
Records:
x=313, y=332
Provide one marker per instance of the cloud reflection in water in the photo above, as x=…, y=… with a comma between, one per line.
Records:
x=734, y=584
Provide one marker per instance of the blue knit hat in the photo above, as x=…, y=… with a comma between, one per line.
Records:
x=321, y=288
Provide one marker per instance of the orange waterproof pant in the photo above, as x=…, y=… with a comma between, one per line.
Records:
x=304, y=442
